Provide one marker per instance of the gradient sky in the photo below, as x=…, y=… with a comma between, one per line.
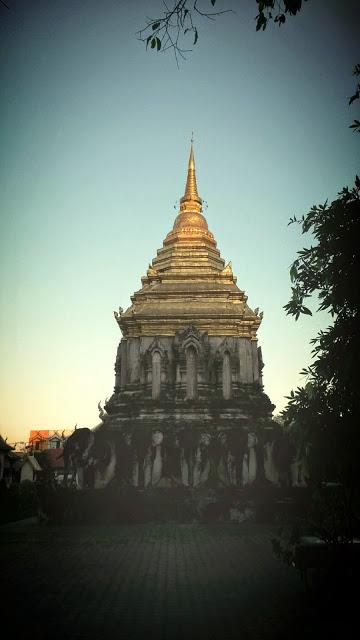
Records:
x=94, y=146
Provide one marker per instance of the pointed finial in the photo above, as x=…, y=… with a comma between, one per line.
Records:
x=191, y=200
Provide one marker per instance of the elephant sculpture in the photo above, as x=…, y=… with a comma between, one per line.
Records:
x=89, y=459
x=76, y=455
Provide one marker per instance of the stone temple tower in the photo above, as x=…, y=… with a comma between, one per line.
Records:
x=188, y=406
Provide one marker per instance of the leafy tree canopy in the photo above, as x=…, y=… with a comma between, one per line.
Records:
x=323, y=415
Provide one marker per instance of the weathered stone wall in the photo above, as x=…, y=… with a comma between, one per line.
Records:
x=132, y=354
x=180, y=419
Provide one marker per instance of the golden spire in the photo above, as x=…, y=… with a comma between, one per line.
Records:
x=191, y=200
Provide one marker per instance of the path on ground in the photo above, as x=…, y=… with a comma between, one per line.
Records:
x=172, y=581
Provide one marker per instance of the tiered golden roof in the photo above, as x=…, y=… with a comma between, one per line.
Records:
x=188, y=282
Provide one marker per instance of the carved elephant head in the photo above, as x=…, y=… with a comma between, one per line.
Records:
x=77, y=452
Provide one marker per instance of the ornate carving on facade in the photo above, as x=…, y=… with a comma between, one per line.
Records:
x=193, y=458
x=102, y=412
x=118, y=314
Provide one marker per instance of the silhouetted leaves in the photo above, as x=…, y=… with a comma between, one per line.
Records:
x=180, y=17
x=266, y=11
x=356, y=123
x=322, y=416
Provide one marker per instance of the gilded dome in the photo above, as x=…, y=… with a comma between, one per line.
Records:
x=190, y=220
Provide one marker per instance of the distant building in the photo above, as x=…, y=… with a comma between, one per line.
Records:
x=43, y=439
x=28, y=468
x=55, y=463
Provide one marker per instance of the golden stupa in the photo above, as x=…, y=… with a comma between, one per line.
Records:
x=188, y=282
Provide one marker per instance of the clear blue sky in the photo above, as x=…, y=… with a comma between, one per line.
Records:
x=94, y=146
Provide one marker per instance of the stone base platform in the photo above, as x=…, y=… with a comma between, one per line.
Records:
x=130, y=505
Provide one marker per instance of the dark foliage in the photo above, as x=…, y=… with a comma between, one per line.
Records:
x=327, y=512
x=130, y=505
x=323, y=415
x=18, y=501
x=356, y=96
x=177, y=28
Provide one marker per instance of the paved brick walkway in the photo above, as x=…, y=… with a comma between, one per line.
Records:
x=152, y=581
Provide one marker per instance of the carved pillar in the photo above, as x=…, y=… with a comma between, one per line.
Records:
x=157, y=462
x=133, y=360
x=79, y=478
x=184, y=468
x=237, y=442
x=203, y=460
x=250, y=463
x=156, y=375
x=241, y=347
x=147, y=466
x=125, y=460
x=255, y=360
x=189, y=442
x=141, y=444
x=225, y=463
x=226, y=376
x=248, y=361
x=171, y=459
x=252, y=442
x=191, y=373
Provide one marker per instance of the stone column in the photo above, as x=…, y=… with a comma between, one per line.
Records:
x=245, y=469
x=226, y=376
x=249, y=462
x=271, y=472
x=203, y=461
x=255, y=360
x=133, y=361
x=245, y=356
x=156, y=375
x=156, y=471
x=252, y=442
x=242, y=360
x=249, y=361
x=184, y=469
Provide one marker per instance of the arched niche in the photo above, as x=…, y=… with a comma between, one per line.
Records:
x=156, y=374
x=226, y=376
x=154, y=363
x=191, y=372
x=226, y=367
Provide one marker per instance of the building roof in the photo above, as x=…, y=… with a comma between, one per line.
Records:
x=48, y=434
x=38, y=434
x=4, y=446
x=28, y=458
x=55, y=458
